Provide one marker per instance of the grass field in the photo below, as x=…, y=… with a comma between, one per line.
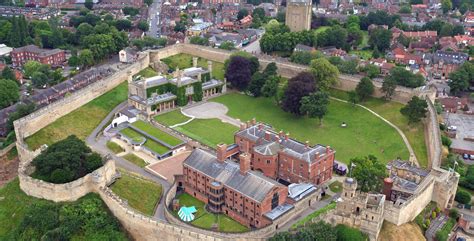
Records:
x=13, y=206
x=147, y=72
x=82, y=121
x=135, y=160
x=157, y=133
x=171, y=118
x=364, y=54
x=209, y=131
x=365, y=133
x=185, y=61
x=151, y=144
x=391, y=112
x=141, y=194
x=114, y=147
x=335, y=186
x=204, y=219
x=308, y=218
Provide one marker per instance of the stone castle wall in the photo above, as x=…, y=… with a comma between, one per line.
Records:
x=285, y=68
x=69, y=191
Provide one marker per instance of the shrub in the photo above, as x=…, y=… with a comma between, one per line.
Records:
x=345, y=233
x=463, y=197
x=454, y=213
x=427, y=223
x=433, y=214
x=446, y=141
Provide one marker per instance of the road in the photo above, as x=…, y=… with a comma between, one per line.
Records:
x=253, y=48
x=98, y=142
x=154, y=19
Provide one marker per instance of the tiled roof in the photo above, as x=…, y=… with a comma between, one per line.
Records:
x=253, y=184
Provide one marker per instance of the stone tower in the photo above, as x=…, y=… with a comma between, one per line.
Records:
x=349, y=188
x=298, y=15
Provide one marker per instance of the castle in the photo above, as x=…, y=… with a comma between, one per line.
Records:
x=298, y=15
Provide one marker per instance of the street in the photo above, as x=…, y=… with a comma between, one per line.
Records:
x=154, y=19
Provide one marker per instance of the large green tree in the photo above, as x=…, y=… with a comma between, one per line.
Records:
x=365, y=88
x=415, y=109
x=446, y=5
x=380, y=39
x=325, y=74
x=315, y=105
x=8, y=92
x=369, y=173
x=8, y=73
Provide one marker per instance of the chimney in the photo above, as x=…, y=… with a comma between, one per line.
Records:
x=328, y=149
x=221, y=152
x=243, y=126
x=244, y=159
x=280, y=134
x=253, y=121
x=316, y=156
x=260, y=126
x=195, y=61
x=287, y=136
x=248, y=124
x=267, y=135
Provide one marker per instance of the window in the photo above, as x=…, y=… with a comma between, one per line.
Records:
x=268, y=161
x=275, y=199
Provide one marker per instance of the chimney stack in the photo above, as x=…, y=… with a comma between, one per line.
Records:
x=281, y=135
x=267, y=135
x=221, y=152
x=316, y=155
x=244, y=159
x=328, y=149
x=195, y=61
x=243, y=126
x=306, y=144
x=287, y=136
x=253, y=121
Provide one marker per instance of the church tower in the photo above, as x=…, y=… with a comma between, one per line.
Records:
x=298, y=15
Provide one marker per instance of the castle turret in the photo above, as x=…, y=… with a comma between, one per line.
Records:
x=349, y=188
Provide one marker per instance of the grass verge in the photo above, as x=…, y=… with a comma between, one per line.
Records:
x=114, y=147
x=135, y=160
x=308, y=218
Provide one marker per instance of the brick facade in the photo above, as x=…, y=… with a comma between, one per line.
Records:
x=52, y=57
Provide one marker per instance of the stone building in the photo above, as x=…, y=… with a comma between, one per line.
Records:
x=160, y=93
x=278, y=156
x=298, y=15
x=364, y=211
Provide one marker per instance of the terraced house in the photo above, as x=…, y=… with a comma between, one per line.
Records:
x=160, y=93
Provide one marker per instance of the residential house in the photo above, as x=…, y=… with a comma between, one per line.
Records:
x=452, y=104
x=217, y=39
x=304, y=48
x=52, y=57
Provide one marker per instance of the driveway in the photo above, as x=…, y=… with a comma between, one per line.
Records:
x=210, y=110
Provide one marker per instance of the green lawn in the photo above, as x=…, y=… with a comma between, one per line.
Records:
x=364, y=54
x=335, y=186
x=204, y=219
x=157, y=133
x=82, y=121
x=209, y=131
x=321, y=29
x=365, y=133
x=151, y=144
x=308, y=218
x=141, y=194
x=391, y=112
x=185, y=61
x=147, y=72
x=13, y=206
x=114, y=147
x=135, y=160
x=171, y=118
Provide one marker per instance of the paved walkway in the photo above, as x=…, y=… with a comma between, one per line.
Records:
x=210, y=110
x=437, y=224
x=405, y=139
x=98, y=144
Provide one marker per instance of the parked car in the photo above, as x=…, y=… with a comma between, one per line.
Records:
x=465, y=156
x=471, y=157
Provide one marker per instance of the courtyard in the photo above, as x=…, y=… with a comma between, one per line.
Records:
x=169, y=167
x=206, y=220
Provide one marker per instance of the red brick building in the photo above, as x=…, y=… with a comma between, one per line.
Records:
x=279, y=157
x=52, y=57
x=233, y=189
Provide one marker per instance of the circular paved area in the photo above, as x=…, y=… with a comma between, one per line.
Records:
x=207, y=110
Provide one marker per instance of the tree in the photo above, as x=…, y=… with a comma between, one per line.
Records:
x=242, y=13
x=123, y=24
x=348, y=66
x=371, y=70
x=21, y=111
x=254, y=64
x=325, y=74
x=238, y=72
x=270, y=88
x=415, y=109
x=86, y=58
x=446, y=30
x=89, y=4
x=315, y=105
x=301, y=57
x=345, y=233
x=143, y=26
x=403, y=77
x=65, y=161
x=180, y=27
x=365, y=88
x=380, y=39
x=353, y=97
x=199, y=40
x=30, y=67
x=463, y=197
x=270, y=70
x=39, y=79
x=227, y=45
x=8, y=92
x=256, y=84
x=405, y=9
x=446, y=5
x=369, y=173
x=148, y=2
x=8, y=73
x=298, y=87
x=130, y=11
x=73, y=61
